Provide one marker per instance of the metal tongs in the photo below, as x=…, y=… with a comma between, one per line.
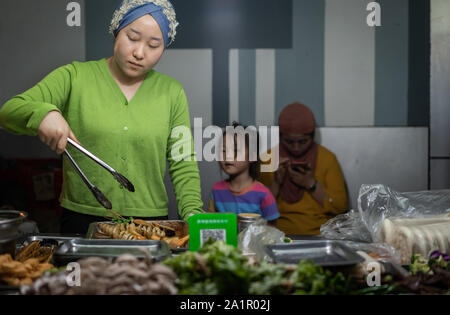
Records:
x=97, y=193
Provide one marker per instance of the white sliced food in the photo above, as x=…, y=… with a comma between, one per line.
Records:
x=431, y=238
x=417, y=236
x=422, y=221
x=387, y=231
x=442, y=238
x=419, y=244
x=403, y=241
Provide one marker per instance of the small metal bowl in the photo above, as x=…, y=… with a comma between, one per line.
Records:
x=10, y=221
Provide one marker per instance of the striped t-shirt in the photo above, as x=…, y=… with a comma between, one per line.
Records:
x=256, y=199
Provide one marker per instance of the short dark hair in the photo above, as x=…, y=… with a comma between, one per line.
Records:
x=254, y=165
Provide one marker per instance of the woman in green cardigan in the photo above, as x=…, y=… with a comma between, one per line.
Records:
x=122, y=111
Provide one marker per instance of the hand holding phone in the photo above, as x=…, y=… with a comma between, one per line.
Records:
x=280, y=174
x=284, y=162
x=300, y=166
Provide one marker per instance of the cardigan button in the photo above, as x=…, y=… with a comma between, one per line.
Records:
x=125, y=128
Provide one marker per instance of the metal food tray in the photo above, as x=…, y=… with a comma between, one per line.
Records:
x=181, y=230
x=9, y=289
x=76, y=249
x=49, y=239
x=324, y=253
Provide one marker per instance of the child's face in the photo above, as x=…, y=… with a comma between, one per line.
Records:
x=236, y=165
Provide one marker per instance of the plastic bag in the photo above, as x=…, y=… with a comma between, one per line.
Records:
x=252, y=239
x=376, y=203
x=347, y=226
x=378, y=251
x=379, y=202
x=350, y=230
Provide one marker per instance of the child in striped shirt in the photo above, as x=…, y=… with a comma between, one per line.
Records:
x=241, y=192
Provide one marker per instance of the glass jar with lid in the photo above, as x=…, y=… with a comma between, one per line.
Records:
x=245, y=219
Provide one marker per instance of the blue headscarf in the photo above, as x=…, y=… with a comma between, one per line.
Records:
x=141, y=10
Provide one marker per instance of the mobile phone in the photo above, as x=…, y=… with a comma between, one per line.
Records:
x=284, y=162
x=299, y=163
x=299, y=166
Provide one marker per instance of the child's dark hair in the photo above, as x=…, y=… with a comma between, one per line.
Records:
x=254, y=165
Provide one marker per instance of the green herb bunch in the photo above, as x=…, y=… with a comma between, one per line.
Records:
x=121, y=220
x=222, y=269
x=216, y=269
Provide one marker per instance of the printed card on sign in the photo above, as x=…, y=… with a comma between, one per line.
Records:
x=215, y=226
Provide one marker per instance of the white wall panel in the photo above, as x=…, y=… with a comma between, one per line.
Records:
x=234, y=85
x=193, y=68
x=265, y=87
x=349, y=64
x=396, y=157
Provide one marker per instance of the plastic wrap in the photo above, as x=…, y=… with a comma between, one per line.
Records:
x=347, y=226
x=351, y=231
x=378, y=251
x=411, y=222
x=378, y=202
x=252, y=240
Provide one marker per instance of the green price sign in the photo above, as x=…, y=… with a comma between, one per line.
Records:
x=218, y=226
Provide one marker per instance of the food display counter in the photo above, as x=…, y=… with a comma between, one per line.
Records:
x=301, y=264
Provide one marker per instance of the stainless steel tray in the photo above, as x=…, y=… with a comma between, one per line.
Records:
x=324, y=253
x=76, y=249
x=49, y=239
x=181, y=230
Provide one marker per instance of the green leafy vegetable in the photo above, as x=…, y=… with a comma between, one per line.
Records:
x=121, y=220
x=221, y=269
x=419, y=264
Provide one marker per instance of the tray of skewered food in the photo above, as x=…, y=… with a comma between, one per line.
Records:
x=173, y=232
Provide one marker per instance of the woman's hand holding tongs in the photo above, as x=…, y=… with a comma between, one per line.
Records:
x=54, y=131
